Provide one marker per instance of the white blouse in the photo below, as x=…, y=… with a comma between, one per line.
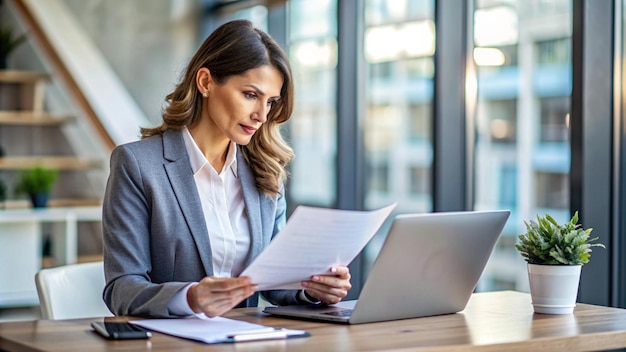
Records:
x=223, y=207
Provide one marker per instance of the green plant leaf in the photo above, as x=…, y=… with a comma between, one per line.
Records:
x=8, y=42
x=547, y=242
x=36, y=180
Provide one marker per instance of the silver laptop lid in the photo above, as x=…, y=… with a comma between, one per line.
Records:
x=429, y=265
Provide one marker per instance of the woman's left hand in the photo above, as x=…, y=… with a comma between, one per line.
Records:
x=329, y=289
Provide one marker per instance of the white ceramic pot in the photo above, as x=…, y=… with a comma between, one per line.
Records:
x=554, y=288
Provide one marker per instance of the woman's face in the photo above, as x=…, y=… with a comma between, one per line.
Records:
x=240, y=106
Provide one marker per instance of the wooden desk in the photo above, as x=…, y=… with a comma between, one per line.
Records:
x=492, y=321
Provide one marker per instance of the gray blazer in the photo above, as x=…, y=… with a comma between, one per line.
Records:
x=155, y=237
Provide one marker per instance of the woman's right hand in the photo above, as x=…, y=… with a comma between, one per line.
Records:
x=215, y=296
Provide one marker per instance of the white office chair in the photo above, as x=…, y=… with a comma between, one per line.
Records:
x=72, y=291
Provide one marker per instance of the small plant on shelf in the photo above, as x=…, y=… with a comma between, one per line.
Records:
x=547, y=242
x=37, y=183
x=8, y=43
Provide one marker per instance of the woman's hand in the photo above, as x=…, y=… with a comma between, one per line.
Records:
x=329, y=289
x=215, y=296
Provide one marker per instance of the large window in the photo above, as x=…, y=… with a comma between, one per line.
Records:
x=313, y=127
x=399, y=44
x=518, y=153
x=523, y=61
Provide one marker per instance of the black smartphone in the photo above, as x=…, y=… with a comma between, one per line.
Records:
x=120, y=330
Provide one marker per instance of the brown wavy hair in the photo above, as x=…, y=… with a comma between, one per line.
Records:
x=232, y=49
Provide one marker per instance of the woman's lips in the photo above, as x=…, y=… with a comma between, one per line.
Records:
x=248, y=129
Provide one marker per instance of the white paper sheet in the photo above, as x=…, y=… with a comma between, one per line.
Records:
x=313, y=240
x=207, y=330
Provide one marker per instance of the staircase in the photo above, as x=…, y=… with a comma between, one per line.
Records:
x=36, y=130
x=30, y=137
x=30, y=239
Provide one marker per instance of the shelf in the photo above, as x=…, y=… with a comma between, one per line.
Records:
x=54, y=162
x=16, y=76
x=22, y=232
x=31, y=118
x=52, y=214
x=49, y=262
x=52, y=203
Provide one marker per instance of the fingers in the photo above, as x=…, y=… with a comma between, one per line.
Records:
x=341, y=271
x=329, y=289
x=215, y=296
x=225, y=284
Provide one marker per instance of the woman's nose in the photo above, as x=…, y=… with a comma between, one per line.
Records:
x=261, y=114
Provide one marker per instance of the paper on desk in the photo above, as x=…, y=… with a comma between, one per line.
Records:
x=313, y=240
x=204, y=329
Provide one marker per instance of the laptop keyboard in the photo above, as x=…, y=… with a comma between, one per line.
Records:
x=340, y=313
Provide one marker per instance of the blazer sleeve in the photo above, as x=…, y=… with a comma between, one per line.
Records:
x=126, y=234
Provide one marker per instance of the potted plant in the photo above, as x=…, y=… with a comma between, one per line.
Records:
x=555, y=255
x=37, y=183
x=8, y=42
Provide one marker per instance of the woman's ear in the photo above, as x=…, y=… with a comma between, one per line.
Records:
x=203, y=80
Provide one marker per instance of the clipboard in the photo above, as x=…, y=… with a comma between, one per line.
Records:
x=217, y=330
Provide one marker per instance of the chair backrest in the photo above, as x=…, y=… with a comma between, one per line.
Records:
x=72, y=291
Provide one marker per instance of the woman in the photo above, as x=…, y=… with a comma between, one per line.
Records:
x=188, y=207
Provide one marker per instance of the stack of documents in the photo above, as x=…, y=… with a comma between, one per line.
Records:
x=217, y=329
x=313, y=240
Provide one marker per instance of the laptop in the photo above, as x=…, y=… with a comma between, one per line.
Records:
x=428, y=265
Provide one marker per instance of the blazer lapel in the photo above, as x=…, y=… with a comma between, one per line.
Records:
x=253, y=206
x=182, y=182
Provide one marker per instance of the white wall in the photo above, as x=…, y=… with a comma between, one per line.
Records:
x=147, y=43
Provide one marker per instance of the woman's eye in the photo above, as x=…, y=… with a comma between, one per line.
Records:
x=249, y=95
x=271, y=103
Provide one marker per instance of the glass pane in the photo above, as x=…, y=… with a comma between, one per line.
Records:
x=312, y=128
x=399, y=46
x=523, y=61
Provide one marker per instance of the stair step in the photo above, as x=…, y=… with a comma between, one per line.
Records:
x=54, y=162
x=32, y=118
x=17, y=76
